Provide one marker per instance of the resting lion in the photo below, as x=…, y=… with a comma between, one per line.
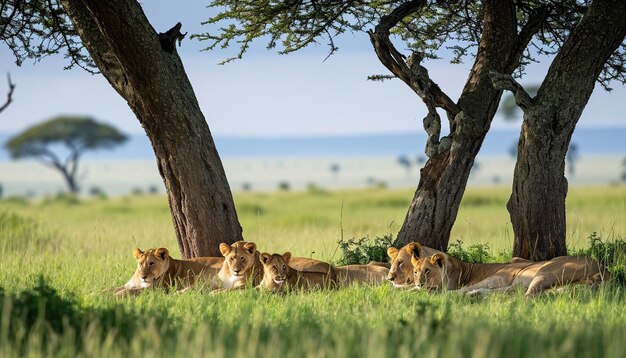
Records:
x=242, y=264
x=401, y=272
x=372, y=274
x=157, y=269
x=442, y=271
x=278, y=274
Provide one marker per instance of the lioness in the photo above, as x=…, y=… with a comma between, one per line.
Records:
x=372, y=274
x=277, y=274
x=242, y=263
x=444, y=271
x=401, y=272
x=157, y=269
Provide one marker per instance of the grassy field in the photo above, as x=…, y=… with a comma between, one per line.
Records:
x=81, y=248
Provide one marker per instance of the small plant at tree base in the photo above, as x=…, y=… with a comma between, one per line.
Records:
x=97, y=192
x=611, y=254
x=476, y=253
x=364, y=250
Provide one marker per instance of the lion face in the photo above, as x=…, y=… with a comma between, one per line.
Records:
x=401, y=271
x=151, y=265
x=275, y=267
x=239, y=258
x=429, y=272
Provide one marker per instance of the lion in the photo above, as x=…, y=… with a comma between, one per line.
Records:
x=442, y=271
x=401, y=272
x=278, y=274
x=157, y=269
x=242, y=264
x=373, y=273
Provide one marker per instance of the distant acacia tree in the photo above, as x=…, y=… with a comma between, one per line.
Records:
x=76, y=135
x=405, y=162
x=334, y=169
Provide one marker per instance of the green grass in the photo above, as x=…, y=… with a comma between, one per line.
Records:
x=83, y=248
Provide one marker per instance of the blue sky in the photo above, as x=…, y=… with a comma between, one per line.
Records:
x=265, y=94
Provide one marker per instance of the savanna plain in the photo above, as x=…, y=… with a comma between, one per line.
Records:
x=57, y=255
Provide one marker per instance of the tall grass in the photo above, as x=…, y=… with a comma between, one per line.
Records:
x=56, y=257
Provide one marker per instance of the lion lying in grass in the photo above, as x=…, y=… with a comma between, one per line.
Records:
x=157, y=269
x=442, y=271
x=278, y=274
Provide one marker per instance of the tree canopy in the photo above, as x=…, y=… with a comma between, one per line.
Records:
x=435, y=29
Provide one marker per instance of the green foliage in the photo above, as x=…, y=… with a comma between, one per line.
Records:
x=364, y=250
x=78, y=134
x=611, y=254
x=475, y=253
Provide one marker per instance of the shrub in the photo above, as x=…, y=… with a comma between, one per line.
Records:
x=364, y=250
x=611, y=254
x=284, y=186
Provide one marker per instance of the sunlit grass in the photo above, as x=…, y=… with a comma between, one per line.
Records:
x=83, y=248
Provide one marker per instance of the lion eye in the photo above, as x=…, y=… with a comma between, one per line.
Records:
x=399, y=263
x=243, y=258
x=427, y=271
x=152, y=263
x=232, y=259
x=284, y=267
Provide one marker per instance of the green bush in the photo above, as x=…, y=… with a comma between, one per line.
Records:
x=611, y=254
x=364, y=250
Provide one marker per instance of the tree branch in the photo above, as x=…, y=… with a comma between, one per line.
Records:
x=506, y=82
x=411, y=72
x=535, y=20
x=9, y=95
x=168, y=39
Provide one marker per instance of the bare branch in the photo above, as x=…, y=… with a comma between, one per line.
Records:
x=412, y=72
x=9, y=95
x=506, y=82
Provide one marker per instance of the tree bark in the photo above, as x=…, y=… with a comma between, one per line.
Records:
x=151, y=78
x=537, y=202
x=443, y=179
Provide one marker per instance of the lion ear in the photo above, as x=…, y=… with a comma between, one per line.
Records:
x=224, y=249
x=265, y=257
x=438, y=260
x=415, y=261
x=161, y=252
x=392, y=252
x=137, y=253
x=413, y=249
x=250, y=247
x=287, y=257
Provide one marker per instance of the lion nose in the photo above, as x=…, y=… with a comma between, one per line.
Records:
x=237, y=271
x=391, y=277
x=144, y=277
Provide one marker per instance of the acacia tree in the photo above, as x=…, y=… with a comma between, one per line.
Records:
x=76, y=134
x=145, y=69
x=591, y=51
x=500, y=35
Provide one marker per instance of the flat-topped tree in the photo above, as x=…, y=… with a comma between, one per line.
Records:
x=76, y=135
x=500, y=36
x=143, y=66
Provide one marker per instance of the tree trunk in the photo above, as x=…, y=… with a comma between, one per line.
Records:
x=537, y=202
x=435, y=204
x=150, y=76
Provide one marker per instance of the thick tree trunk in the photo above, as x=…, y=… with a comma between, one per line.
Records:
x=435, y=204
x=151, y=77
x=537, y=202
